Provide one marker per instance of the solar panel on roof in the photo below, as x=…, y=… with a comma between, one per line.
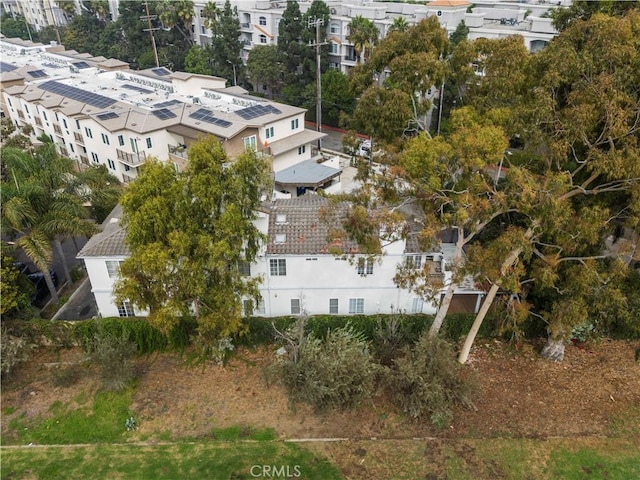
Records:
x=161, y=71
x=107, y=116
x=137, y=89
x=167, y=104
x=164, y=114
x=207, y=116
x=37, y=73
x=81, y=65
x=77, y=94
x=256, y=111
x=6, y=67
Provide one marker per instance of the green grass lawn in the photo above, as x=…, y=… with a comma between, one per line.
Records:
x=209, y=460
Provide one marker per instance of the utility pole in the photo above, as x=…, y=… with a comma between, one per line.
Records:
x=148, y=18
x=316, y=23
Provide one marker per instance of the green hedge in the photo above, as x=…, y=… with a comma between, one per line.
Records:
x=257, y=331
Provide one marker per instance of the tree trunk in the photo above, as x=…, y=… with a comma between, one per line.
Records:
x=508, y=263
x=65, y=267
x=471, y=336
x=553, y=350
x=52, y=288
x=448, y=296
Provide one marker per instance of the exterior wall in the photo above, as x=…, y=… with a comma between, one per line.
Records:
x=102, y=285
x=314, y=279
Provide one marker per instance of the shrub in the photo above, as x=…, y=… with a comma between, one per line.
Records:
x=390, y=336
x=13, y=350
x=338, y=371
x=77, y=273
x=428, y=380
x=113, y=353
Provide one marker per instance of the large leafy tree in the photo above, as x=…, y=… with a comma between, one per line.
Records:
x=187, y=233
x=83, y=33
x=453, y=187
x=580, y=127
x=338, y=102
x=266, y=67
x=415, y=60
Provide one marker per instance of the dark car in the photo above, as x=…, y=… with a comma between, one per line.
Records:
x=41, y=292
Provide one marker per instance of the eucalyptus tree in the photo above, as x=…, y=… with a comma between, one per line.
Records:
x=580, y=126
x=409, y=64
x=188, y=232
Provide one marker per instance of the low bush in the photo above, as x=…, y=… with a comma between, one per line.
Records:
x=331, y=372
x=428, y=380
x=13, y=350
x=113, y=354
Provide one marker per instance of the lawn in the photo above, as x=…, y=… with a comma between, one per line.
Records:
x=205, y=460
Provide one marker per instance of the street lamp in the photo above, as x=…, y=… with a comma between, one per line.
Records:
x=235, y=78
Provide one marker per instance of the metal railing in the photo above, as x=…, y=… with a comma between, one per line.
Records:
x=133, y=159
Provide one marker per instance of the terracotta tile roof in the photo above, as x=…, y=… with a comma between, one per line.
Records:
x=297, y=226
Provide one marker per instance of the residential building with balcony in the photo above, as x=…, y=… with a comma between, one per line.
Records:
x=101, y=112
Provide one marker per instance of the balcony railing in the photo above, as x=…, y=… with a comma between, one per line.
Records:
x=78, y=137
x=245, y=25
x=84, y=159
x=57, y=129
x=178, y=151
x=129, y=175
x=350, y=58
x=38, y=122
x=20, y=114
x=133, y=159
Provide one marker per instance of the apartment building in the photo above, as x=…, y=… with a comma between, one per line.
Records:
x=303, y=270
x=98, y=111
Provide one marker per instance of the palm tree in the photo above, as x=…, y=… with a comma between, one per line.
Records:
x=37, y=207
x=101, y=9
x=67, y=6
x=399, y=25
x=211, y=14
x=364, y=35
x=177, y=14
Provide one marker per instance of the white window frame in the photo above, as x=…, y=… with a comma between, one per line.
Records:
x=113, y=268
x=334, y=305
x=268, y=132
x=125, y=309
x=263, y=39
x=105, y=139
x=334, y=28
x=111, y=163
x=250, y=143
x=121, y=140
x=244, y=268
x=88, y=131
x=94, y=157
x=278, y=267
x=356, y=306
x=414, y=261
x=296, y=308
x=417, y=305
x=262, y=21
x=149, y=144
x=302, y=149
x=365, y=266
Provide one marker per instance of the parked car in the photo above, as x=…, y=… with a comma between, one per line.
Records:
x=41, y=291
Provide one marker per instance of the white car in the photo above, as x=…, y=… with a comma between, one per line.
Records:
x=364, y=150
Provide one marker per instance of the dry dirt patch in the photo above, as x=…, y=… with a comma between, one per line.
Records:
x=520, y=394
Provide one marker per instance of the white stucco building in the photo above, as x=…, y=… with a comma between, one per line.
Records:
x=98, y=111
x=303, y=270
